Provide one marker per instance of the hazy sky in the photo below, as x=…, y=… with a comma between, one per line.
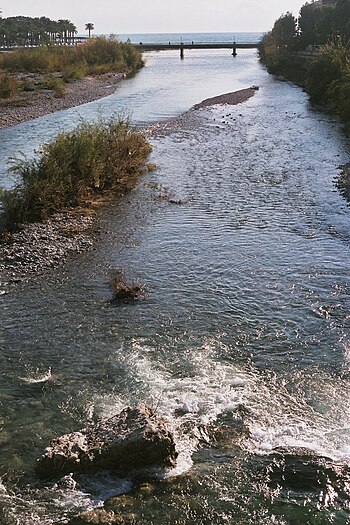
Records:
x=157, y=16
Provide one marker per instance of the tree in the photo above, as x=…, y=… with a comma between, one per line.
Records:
x=317, y=24
x=89, y=27
x=23, y=30
x=342, y=19
x=276, y=45
x=307, y=22
x=284, y=31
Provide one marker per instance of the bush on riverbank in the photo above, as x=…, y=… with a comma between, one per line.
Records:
x=328, y=80
x=78, y=166
x=8, y=86
x=97, y=55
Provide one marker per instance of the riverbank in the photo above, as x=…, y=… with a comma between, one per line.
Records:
x=43, y=245
x=30, y=105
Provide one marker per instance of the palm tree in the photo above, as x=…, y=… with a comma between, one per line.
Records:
x=89, y=27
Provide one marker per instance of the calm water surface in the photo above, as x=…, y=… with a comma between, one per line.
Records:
x=247, y=308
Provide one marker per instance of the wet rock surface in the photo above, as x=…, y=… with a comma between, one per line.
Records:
x=101, y=517
x=284, y=480
x=41, y=246
x=181, y=500
x=300, y=469
x=134, y=439
x=303, y=486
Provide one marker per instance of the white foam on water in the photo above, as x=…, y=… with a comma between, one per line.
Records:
x=317, y=417
x=189, y=403
x=314, y=415
x=48, y=505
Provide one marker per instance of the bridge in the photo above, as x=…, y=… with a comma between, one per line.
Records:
x=142, y=47
x=181, y=46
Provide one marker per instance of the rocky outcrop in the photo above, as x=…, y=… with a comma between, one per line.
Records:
x=135, y=438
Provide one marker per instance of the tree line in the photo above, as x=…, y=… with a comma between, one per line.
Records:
x=25, y=30
x=323, y=31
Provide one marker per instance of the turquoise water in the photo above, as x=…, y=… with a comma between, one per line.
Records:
x=247, y=313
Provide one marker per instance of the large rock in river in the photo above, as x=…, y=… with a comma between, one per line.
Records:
x=134, y=439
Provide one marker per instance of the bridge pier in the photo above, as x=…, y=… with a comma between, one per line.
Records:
x=182, y=52
x=234, y=50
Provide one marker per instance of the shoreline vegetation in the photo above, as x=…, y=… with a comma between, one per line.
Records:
x=92, y=164
x=49, y=78
x=47, y=215
x=314, y=52
x=77, y=168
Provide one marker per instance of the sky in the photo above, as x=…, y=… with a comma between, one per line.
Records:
x=158, y=16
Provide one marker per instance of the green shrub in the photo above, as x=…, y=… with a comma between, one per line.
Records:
x=8, y=86
x=105, y=53
x=339, y=92
x=75, y=71
x=325, y=70
x=328, y=80
x=93, y=160
x=55, y=84
x=44, y=59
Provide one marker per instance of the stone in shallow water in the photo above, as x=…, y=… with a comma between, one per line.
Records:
x=100, y=517
x=301, y=470
x=167, y=502
x=134, y=439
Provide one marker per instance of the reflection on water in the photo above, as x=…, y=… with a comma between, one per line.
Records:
x=247, y=310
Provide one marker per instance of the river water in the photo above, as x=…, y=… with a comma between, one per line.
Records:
x=247, y=312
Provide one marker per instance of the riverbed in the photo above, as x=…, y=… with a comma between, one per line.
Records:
x=242, y=243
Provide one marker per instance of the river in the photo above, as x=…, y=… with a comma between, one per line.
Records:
x=247, y=308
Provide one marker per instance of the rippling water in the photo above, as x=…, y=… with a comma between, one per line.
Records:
x=247, y=308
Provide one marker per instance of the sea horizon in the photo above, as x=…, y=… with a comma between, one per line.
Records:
x=198, y=37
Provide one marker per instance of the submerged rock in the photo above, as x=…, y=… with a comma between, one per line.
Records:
x=168, y=501
x=302, y=486
x=100, y=517
x=301, y=470
x=134, y=439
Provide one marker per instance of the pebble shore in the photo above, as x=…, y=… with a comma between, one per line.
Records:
x=41, y=246
x=43, y=102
